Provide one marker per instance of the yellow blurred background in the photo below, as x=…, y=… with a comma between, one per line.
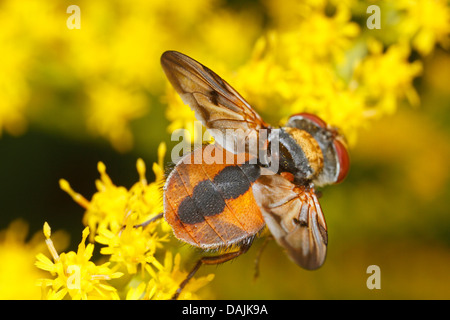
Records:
x=70, y=98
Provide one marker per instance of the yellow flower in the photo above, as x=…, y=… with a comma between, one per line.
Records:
x=111, y=109
x=237, y=31
x=314, y=59
x=20, y=43
x=294, y=83
x=167, y=278
x=387, y=77
x=17, y=272
x=264, y=81
x=136, y=292
x=115, y=213
x=179, y=115
x=325, y=37
x=316, y=29
x=75, y=274
x=112, y=205
x=426, y=22
x=14, y=90
x=131, y=246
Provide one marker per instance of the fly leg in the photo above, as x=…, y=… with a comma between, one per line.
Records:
x=146, y=223
x=210, y=261
x=258, y=257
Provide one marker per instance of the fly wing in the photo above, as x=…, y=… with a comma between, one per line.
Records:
x=294, y=217
x=215, y=103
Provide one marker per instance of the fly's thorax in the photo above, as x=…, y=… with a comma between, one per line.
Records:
x=336, y=160
x=299, y=153
x=309, y=146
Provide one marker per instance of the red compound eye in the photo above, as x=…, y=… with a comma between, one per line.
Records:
x=343, y=158
x=312, y=117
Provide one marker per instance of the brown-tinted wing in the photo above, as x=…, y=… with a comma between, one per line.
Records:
x=294, y=217
x=216, y=104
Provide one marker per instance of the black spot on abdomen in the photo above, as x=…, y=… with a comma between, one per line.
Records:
x=205, y=201
x=234, y=181
x=208, y=197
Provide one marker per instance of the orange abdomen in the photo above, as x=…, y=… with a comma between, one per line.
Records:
x=212, y=205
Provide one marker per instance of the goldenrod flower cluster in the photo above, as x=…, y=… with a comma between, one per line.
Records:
x=18, y=273
x=75, y=274
x=116, y=219
x=316, y=58
x=285, y=57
